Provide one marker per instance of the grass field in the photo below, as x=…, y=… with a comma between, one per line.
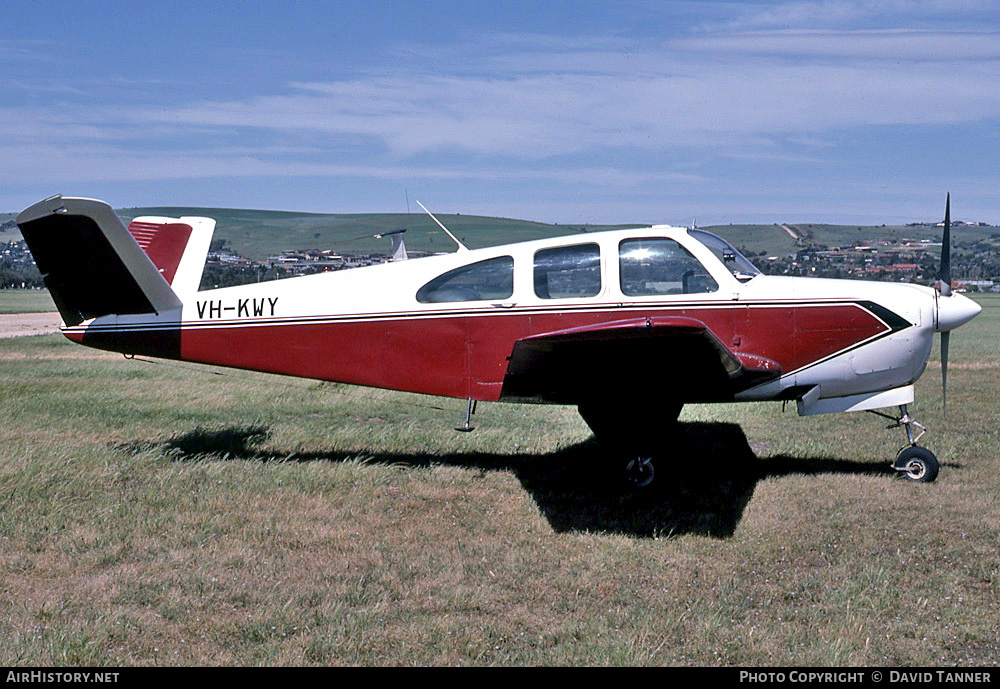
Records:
x=159, y=513
x=25, y=301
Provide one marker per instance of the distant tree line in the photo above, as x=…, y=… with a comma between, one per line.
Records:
x=230, y=276
x=19, y=275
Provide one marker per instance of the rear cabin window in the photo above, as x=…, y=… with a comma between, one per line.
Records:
x=489, y=279
x=658, y=266
x=568, y=271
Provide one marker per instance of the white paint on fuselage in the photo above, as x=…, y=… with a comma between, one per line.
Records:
x=376, y=291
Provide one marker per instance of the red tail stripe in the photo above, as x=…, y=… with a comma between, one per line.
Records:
x=163, y=242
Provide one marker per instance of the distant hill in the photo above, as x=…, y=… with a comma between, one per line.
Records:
x=8, y=233
x=775, y=240
x=257, y=234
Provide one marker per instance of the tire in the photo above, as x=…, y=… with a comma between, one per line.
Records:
x=633, y=431
x=917, y=464
x=639, y=471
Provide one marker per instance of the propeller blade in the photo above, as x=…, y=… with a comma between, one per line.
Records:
x=944, y=275
x=945, y=337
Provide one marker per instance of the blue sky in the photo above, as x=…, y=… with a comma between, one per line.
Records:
x=843, y=111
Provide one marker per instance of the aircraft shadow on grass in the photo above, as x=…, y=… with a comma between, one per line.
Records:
x=704, y=480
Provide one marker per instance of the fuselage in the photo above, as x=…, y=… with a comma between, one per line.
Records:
x=447, y=325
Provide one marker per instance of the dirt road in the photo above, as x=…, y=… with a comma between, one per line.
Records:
x=20, y=324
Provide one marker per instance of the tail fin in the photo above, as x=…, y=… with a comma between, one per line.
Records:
x=177, y=247
x=91, y=264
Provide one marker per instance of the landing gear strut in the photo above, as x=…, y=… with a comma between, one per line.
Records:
x=913, y=462
x=632, y=431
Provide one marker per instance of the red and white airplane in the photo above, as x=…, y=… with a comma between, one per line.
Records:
x=628, y=325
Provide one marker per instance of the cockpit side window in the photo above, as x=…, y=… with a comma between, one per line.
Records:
x=658, y=265
x=489, y=279
x=568, y=271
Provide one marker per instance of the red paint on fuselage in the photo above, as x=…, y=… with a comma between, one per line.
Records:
x=466, y=355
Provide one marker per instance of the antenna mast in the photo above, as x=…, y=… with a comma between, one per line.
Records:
x=461, y=247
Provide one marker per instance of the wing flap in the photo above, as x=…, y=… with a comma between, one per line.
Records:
x=672, y=356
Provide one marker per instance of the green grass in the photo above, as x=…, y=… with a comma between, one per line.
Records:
x=159, y=513
x=25, y=301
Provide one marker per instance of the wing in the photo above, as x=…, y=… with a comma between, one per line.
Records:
x=673, y=357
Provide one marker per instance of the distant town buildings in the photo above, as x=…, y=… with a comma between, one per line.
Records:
x=903, y=260
x=976, y=264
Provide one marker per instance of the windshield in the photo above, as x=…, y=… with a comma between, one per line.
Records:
x=738, y=264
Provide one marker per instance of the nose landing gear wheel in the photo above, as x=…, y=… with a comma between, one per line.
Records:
x=916, y=463
x=639, y=471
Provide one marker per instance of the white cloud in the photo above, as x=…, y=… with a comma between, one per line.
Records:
x=35, y=163
x=842, y=13
x=706, y=91
x=882, y=45
x=22, y=50
x=588, y=113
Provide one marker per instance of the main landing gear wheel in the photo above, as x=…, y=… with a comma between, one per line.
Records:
x=632, y=430
x=917, y=463
x=639, y=471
